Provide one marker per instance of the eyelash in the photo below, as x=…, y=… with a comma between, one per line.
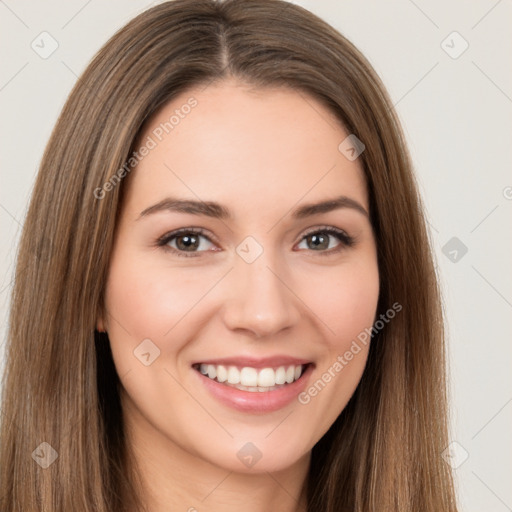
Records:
x=346, y=240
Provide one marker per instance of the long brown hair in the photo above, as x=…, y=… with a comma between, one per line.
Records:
x=60, y=386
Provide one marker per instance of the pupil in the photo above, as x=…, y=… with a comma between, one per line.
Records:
x=187, y=242
x=320, y=241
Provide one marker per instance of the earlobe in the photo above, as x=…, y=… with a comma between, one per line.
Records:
x=100, y=323
x=100, y=326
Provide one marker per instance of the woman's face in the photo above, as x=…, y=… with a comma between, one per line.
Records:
x=260, y=287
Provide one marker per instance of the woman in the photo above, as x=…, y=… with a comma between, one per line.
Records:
x=225, y=294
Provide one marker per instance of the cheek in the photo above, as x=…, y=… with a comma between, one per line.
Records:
x=346, y=302
x=346, y=305
x=148, y=301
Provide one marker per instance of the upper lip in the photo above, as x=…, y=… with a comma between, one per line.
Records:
x=256, y=362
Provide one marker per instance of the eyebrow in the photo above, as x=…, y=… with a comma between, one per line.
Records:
x=217, y=211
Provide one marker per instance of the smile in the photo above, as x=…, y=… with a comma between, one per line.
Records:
x=252, y=379
x=251, y=385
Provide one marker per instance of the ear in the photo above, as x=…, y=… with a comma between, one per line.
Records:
x=101, y=325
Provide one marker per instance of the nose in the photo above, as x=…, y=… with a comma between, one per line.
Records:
x=261, y=299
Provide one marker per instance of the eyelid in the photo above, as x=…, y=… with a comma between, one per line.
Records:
x=189, y=229
x=325, y=228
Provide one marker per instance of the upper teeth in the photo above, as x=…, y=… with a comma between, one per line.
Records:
x=248, y=376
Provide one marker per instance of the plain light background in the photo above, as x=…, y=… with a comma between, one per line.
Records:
x=455, y=105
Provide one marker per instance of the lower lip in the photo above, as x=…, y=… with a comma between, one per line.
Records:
x=257, y=401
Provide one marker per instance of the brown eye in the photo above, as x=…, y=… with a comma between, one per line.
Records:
x=186, y=242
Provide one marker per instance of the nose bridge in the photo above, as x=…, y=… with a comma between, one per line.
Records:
x=260, y=300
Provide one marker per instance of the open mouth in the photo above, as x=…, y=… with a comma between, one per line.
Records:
x=252, y=379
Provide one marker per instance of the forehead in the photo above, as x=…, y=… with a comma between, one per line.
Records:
x=249, y=148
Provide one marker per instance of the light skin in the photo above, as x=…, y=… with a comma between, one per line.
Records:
x=261, y=154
